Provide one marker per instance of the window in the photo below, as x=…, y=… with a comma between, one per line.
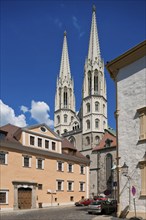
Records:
x=103, y=109
x=65, y=97
x=40, y=186
x=82, y=169
x=142, y=166
x=3, y=157
x=96, y=123
x=87, y=140
x=3, y=196
x=97, y=139
x=70, y=168
x=82, y=187
x=43, y=129
x=59, y=186
x=70, y=185
x=97, y=106
x=88, y=124
x=53, y=146
x=47, y=144
x=58, y=119
x=60, y=166
x=26, y=161
x=39, y=142
x=2, y=135
x=40, y=163
x=142, y=118
x=71, y=198
x=96, y=83
x=88, y=107
x=31, y=140
x=89, y=83
x=109, y=163
x=65, y=118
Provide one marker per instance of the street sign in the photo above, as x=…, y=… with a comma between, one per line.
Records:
x=133, y=190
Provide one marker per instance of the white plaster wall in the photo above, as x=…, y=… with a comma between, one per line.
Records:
x=131, y=88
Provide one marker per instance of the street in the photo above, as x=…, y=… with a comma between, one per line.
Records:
x=54, y=213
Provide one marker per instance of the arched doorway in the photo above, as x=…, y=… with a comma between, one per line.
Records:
x=24, y=198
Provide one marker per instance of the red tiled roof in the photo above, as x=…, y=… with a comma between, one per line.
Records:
x=102, y=143
x=12, y=132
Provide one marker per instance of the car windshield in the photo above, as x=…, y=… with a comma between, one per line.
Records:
x=96, y=203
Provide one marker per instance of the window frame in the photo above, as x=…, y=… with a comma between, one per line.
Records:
x=68, y=186
x=5, y=158
x=29, y=157
x=62, y=185
x=81, y=186
x=82, y=169
x=62, y=166
x=70, y=171
x=142, y=123
x=6, y=192
x=42, y=163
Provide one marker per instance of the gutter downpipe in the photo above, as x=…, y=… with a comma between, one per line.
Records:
x=117, y=151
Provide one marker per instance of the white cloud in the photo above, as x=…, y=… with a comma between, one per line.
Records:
x=39, y=112
x=77, y=26
x=24, y=109
x=7, y=115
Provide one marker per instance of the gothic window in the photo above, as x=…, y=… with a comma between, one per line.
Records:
x=65, y=130
x=88, y=124
x=58, y=132
x=97, y=123
x=59, y=97
x=72, y=140
x=88, y=107
x=97, y=106
x=104, y=123
x=97, y=139
x=103, y=109
x=65, y=118
x=96, y=83
x=72, y=118
x=58, y=119
x=108, y=169
x=87, y=140
x=89, y=83
x=65, y=97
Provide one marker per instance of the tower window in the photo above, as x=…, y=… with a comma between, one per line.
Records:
x=96, y=83
x=88, y=124
x=58, y=119
x=88, y=107
x=97, y=106
x=89, y=83
x=96, y=123
x=87, y=140
x=65, y=97
x=65, y=118
x=103, y=109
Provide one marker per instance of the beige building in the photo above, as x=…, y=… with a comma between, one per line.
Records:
x=40, y=169
x=129, y=74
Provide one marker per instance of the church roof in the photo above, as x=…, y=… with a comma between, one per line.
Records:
x=108, y=141
x=65, y=66
x=94, y=48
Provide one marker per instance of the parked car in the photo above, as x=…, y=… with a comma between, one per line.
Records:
x=100, y=198
x=101, y=206
x=84, y=202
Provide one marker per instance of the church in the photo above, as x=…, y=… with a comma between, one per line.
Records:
x=87, y=128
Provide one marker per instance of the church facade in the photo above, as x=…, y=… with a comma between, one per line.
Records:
x=86, y=128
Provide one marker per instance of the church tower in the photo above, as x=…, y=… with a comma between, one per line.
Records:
x=64, y=100
x=94, y=100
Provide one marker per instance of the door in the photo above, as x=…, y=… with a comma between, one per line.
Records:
x=24, y=198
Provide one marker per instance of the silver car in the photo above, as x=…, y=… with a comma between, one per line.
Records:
x=102, y=207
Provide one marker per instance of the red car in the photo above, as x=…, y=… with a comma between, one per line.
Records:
x=84, y=202
x=100, y=198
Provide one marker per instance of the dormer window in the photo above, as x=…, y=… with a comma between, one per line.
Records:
x=43, y=129
x=108, y=143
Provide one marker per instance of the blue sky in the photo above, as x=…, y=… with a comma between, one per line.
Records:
x=31, y=46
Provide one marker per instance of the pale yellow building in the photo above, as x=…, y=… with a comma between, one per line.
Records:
x=40, y=169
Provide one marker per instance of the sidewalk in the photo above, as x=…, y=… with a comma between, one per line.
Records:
x=107, y=217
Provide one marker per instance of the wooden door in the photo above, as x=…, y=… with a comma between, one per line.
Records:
x=24, y=198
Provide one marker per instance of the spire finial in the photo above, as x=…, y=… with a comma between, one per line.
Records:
x=94, y=8
x=65, y=33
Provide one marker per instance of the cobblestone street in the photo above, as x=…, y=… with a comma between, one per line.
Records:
x=54, y=213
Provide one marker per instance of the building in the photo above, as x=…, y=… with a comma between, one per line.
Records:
x=129, y=73
x=106, y=154
x=86, y=128
x=40, y=169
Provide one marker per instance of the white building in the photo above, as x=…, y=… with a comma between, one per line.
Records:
x=86, y=128
x=129, y=74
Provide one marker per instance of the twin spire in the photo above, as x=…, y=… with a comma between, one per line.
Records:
x=93, y=51
x=65, y=67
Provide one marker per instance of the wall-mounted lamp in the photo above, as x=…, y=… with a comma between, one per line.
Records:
x=124, y=169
